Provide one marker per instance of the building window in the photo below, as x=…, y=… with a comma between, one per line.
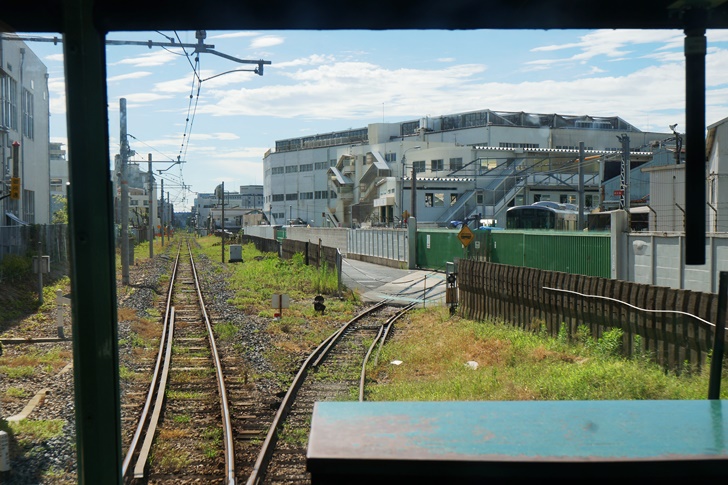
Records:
x=133, y=202
x=434, y=200
x=390, y=157
x=419, y=166
x=278, y=197
x=517, y=145
x=277, y=170
x=29, y=206
x=456, y=164
x=28, y=130
x=292, y=169
x=8, y=100
x=306, y=195
x=306, y=167
x=291, y=196
x=437, y=165
x=588, y=200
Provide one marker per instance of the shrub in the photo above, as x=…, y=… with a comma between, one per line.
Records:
x=15, y=268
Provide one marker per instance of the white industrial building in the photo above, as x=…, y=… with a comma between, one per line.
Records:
x=473, y=164
x=24, y=110
x=667, y=187
x=59, y=176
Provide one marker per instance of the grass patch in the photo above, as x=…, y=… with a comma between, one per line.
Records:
x=514, y=365
x=17, y=372
x=16, y=392
x=126, y=374
x=297, y=436
x=184, y=395
x=28, y=431
x=211, y=443
x=225, y=331
x=167, y=456
x=182, y=419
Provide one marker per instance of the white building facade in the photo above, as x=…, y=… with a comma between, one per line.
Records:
x=24, y=118
x=465, y=165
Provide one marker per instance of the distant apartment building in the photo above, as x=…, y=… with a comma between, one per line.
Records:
x=58, y=174
x=24, y=110
x=444, y=168
x=241, y=208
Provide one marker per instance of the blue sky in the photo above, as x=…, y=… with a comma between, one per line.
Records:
x=323, y=81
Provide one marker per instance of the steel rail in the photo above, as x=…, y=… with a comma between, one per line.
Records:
x=225, y=410
x=154, y=420
x=380, y=338
x=266, y=452
x=154, y=382
x=343, y=328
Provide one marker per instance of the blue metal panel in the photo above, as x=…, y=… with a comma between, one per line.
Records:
x=644, y=436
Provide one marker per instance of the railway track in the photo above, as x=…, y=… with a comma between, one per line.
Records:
x=334, y=371
x=185, y=431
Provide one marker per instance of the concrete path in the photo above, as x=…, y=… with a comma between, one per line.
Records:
x=402, y=286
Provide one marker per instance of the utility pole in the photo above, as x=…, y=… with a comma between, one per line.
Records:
x=123, y=184
x=161, y=214
x=151, y=204
x=580, y=224
x=413, y=201
x=624, y=175
x=169, y=222
x=222, y=222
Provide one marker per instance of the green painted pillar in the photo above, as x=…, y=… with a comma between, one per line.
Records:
x=93, y=278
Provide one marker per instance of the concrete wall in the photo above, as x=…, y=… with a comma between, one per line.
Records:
x=333, y=237
x=659, y=259
x=386, y=244
x=267, y=232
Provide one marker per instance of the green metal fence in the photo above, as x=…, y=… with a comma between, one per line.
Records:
x=569, y=252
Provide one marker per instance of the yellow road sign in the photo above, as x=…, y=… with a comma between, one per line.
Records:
x=466, y=236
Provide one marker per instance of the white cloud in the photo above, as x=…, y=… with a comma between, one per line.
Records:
x=612, y=44
x=150, y=59
x=446, y=59
x=234, y=35
x=143, y=98
x=266, y=41
x=126, y=77
x=54, y=58
x=312, y=60
x=216, y=136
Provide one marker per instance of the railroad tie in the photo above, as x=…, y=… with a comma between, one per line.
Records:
x=36, y=401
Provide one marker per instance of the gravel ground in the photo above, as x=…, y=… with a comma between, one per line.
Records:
x=53, y=461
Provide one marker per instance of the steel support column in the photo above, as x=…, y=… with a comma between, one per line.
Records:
x=93, y=276
x=695, y=48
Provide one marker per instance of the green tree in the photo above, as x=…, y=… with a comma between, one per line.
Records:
x=60, y=214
